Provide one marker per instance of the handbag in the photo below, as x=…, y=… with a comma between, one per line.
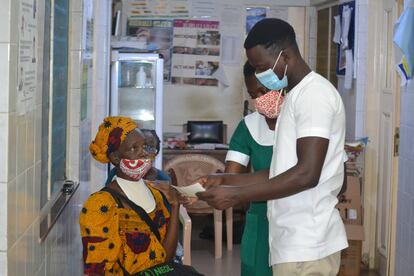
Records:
x=170, y=268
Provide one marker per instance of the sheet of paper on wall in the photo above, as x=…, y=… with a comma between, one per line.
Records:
x=346, y=23
x=221, y=76
x=404, y=41
x=349, y=71
x=27, y=61
x=231, y=50
x=338, y=29
x=196, y=52
x=203, y=9
x=281, y=12
x=342, y=59
x=230, y=19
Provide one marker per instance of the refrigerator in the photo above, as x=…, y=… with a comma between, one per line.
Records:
x=137, y=90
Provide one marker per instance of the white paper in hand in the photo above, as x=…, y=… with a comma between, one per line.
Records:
x=190, y=190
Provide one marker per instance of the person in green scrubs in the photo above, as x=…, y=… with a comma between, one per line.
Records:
x=252, y=142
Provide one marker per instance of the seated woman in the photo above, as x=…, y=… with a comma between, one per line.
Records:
x=127, y=226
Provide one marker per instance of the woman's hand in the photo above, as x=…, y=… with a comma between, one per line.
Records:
x=172, y=195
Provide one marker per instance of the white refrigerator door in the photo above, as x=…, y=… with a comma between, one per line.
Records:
x=137, y=90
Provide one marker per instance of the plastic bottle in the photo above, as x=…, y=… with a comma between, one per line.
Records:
x=141, y=77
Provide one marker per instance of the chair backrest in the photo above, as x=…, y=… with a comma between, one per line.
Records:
x=185, y=169
x=189, y=167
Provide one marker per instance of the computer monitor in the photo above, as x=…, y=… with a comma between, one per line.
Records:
x=205, y=132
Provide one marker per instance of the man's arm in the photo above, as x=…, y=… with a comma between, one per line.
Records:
x=311, y=152
x=234, y=179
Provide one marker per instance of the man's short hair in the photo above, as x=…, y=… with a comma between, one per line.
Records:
x=273, y=34
x=248, y=70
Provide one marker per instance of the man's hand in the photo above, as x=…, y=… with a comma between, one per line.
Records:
x=220, y=197
x=211, y=180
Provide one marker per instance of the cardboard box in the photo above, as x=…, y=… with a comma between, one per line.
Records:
x=352, y=194
x=351, y=256
x=351, y=259
x=349, y=205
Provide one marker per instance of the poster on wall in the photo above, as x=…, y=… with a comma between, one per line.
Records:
x=196, y=52
x=27, y=61
x=254, y=15
x=156, y=35
x=157, y=9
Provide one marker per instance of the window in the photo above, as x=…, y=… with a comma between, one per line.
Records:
x=55, y=99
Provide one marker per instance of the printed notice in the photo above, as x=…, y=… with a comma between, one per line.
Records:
x=27, y=61
x=157, y=9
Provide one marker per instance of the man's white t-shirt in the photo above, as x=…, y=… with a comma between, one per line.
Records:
x=306, y=226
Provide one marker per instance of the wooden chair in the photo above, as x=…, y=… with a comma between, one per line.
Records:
x=184, y=170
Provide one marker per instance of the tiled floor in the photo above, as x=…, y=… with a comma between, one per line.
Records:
x=203, y=253
x=205, y=263
x=369, y=273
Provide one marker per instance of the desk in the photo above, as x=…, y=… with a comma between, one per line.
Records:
x=168, y=154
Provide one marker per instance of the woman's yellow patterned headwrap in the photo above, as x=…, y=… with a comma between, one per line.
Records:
x=112, y=132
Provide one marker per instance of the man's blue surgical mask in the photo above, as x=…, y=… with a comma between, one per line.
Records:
x=270, y=80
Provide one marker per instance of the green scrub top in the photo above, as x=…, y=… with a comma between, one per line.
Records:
x=242, y=149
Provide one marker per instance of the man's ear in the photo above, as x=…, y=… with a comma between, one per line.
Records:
x=114, y=158
x=286, y=55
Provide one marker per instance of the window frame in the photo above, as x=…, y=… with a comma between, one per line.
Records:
x=52, y=203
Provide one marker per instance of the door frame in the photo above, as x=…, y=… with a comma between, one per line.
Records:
x=394, y=196
x=372, y=130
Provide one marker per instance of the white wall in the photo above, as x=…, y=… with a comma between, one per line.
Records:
x=100, y=92
x=20, y=159
x=405, y=212
x=182, y=103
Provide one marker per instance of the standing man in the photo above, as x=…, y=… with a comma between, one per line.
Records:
x=306, y=233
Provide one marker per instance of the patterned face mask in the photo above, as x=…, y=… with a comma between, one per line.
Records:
x=136, y=169
x=269, y=104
